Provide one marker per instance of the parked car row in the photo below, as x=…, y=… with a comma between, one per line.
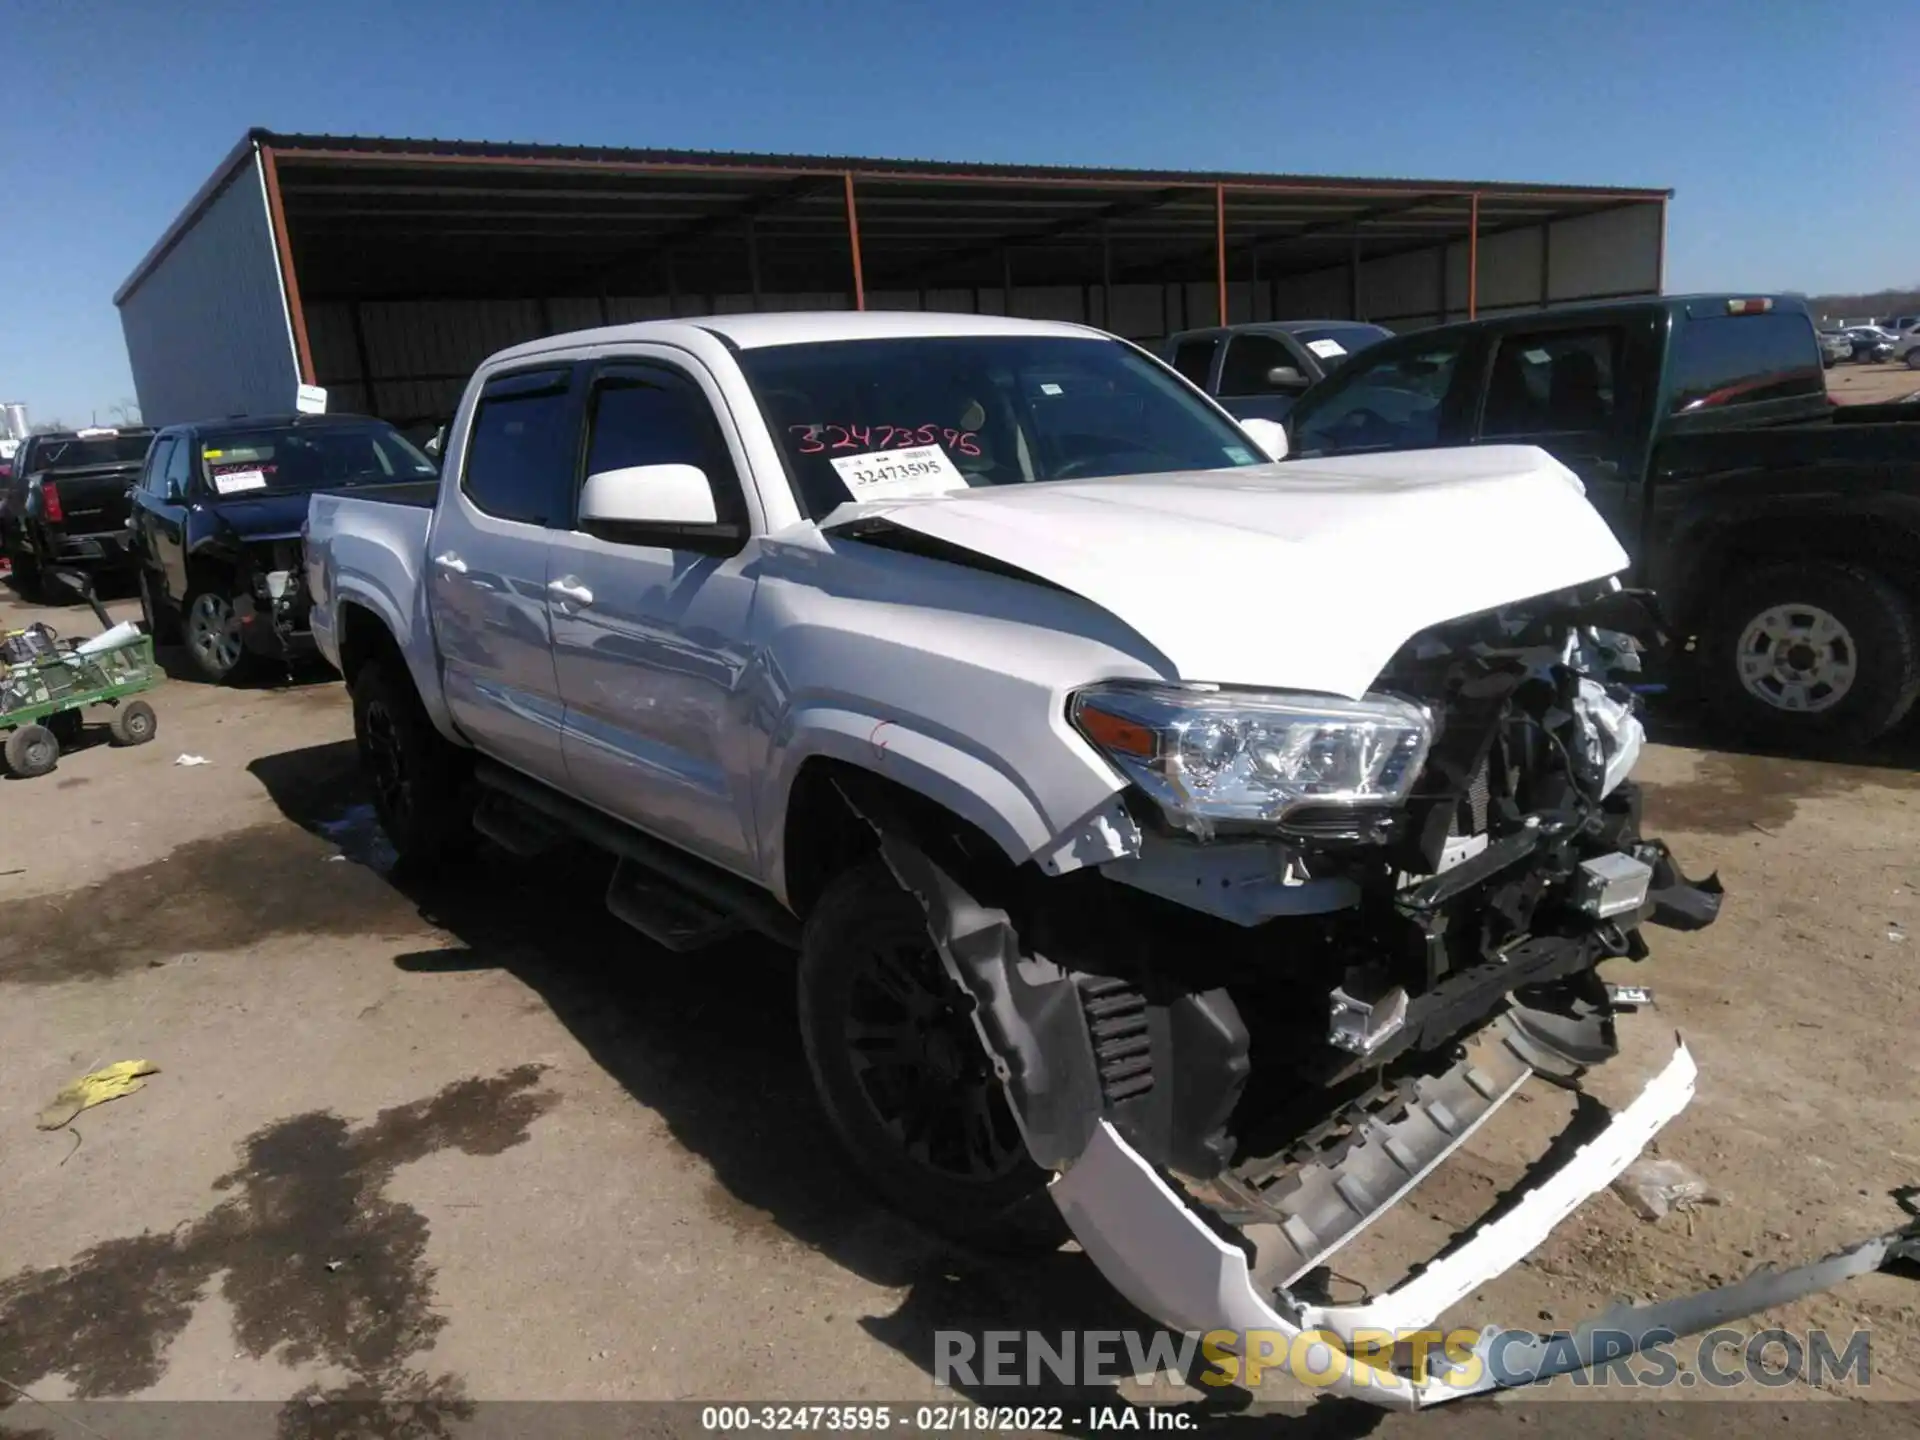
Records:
x=1782, y=535
x=205, y=516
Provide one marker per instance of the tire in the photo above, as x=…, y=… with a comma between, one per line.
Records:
x=162, y=620
x=421, y=782
x=32, y=750
x=133, y=723
x=1913, y=358
x=26, y=565
x=212, y=631
x=1812, y=654
x=866, y=961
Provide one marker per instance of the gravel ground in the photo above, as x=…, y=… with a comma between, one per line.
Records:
x=483, y=1144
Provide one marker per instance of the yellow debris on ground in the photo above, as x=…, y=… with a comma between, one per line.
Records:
x=121, y=1078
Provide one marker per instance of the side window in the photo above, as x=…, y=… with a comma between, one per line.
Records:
x=1250, y=357
x=1194, y=358
x=520, y=454
x=179, y=471
x=1377, y=404
x=1553, y=383
x=649, y=415
x=153, y=479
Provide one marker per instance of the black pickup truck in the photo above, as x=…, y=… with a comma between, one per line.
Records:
x=1781, y=532
x=66, y=501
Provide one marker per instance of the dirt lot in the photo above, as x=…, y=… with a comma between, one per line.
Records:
x=482, y=1144
x=1869, y=384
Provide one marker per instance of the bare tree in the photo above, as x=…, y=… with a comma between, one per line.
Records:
x=124, y=411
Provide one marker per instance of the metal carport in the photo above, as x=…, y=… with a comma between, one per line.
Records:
x=385, y=269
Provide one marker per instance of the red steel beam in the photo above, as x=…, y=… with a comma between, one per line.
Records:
x=270, y=173
x=1220, y=247
x=1473, y=256
x=853, y=241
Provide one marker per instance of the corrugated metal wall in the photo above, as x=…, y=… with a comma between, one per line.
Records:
x=206, y=329
x=419, y=353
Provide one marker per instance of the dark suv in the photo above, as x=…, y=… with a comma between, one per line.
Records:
x=66, y=501
x=216, y=526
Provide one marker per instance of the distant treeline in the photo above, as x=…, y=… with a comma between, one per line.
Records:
x=1860, y=307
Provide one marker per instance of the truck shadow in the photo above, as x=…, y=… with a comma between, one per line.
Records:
x=710, y=1043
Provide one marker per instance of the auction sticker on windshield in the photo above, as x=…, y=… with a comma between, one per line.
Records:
x=231, y=482
x=892, y=474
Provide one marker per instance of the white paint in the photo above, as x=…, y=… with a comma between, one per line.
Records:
x=1314, y=573
x=1158, y=1253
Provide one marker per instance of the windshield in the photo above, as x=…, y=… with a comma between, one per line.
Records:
x=91, y=450
x=881, y=419
x=1332, y=344
x=309, y=459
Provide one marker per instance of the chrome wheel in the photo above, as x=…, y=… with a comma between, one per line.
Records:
x=1797, y=657
x=213, y=632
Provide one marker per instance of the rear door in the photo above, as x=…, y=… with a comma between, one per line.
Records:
x=142, y=519
x=487, y=566
x=167, y=522
x=1570, y=388
x=649, y=639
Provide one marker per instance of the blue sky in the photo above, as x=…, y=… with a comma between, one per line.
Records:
x=1784, y=125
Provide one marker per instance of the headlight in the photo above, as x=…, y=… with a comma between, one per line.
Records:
x=1213, y=756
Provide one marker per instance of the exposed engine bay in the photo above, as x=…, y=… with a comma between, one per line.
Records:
x=1237, y=1044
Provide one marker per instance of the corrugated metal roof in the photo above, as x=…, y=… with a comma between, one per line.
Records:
x=911, y=209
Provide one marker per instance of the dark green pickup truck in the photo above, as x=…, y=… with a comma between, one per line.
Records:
x=1782, y=532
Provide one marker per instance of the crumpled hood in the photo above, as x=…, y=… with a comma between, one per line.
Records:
x=1307, y=575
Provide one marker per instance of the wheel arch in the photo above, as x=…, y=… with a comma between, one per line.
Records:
x=1888, y=546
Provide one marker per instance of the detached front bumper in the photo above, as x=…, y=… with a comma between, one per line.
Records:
x=1157, y=1250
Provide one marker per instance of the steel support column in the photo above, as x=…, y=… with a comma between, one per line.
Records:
x=1220, y=247
x=853, y=242
x=1473, y=256
x=296, y=316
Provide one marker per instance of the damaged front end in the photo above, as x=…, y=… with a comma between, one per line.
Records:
x=1332, y=939
x=271, y=602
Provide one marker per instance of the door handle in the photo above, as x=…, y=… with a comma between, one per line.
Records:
x=571, y=590
x=451, y=562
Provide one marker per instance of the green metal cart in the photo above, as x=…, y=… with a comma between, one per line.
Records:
x=41, y=699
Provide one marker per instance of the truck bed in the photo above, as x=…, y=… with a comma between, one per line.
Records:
x=419, y=493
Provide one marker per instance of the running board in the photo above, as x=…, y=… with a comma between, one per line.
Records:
x=708, y=891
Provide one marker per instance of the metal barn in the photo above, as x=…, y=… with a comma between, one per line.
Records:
x=384, y=270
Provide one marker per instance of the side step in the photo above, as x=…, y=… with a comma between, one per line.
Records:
x=515, y=828
x=673, y=918
x=674, y=898
x=1298, y=1210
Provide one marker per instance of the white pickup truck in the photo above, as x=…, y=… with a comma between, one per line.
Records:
x=1209, y=845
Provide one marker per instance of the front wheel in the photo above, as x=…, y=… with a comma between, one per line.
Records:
x=31, y=750
x=905, y=1081
x=213, y=635
x=26, y=564
x=1913, y=358
x=1812, y=653
x=420, y=780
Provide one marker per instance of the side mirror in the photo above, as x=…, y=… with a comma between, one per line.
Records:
x=1287, y=377
x=672, y=506
x=1269, y=435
